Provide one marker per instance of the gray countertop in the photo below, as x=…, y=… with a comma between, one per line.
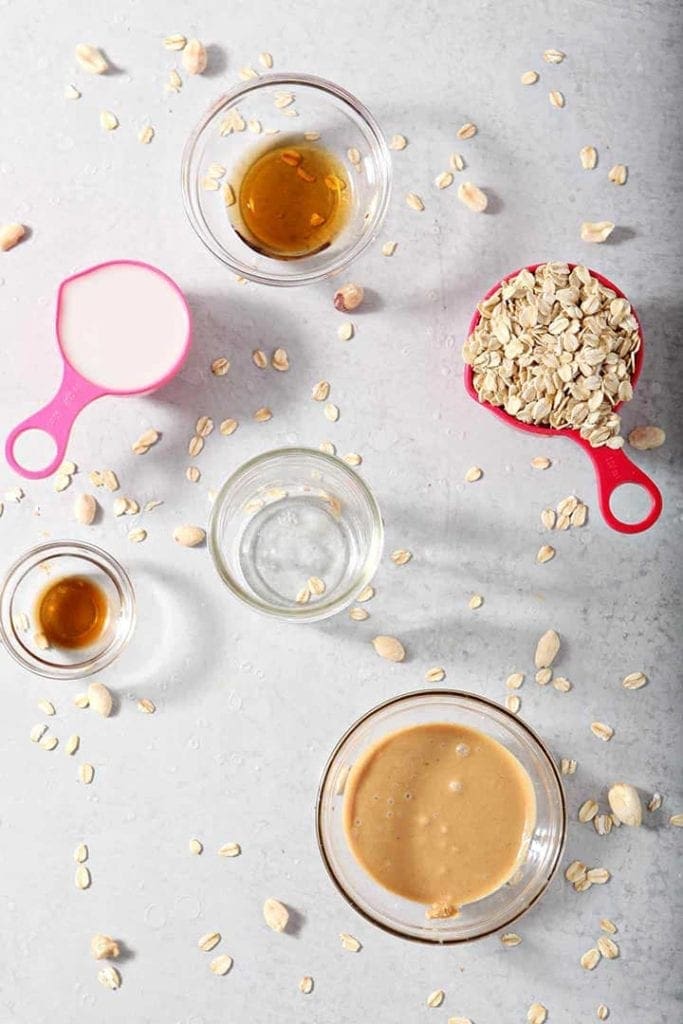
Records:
x=249, y=709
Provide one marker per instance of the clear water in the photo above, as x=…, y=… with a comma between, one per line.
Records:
x=287, y=542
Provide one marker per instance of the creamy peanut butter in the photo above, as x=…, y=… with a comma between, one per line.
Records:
x=439, y=813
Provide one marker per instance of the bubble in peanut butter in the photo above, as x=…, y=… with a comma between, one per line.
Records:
x=462, y=750
x=455, y=786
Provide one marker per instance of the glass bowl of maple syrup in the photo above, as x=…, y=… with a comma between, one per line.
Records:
x=67, y=610
x=286, y=179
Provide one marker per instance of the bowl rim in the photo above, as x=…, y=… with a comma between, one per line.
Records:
x=88, y=552
x=487, y=704
x=191, y=196
x=322, y=609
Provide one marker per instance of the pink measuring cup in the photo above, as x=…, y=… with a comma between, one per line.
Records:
x=123, y=328
x=612, y=466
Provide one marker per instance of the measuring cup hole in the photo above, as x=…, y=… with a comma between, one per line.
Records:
x=34, y=449
x=630, y=503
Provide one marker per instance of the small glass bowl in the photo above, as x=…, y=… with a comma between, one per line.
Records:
x=343, y=123
x=406, y=918
x=22, y=586
x=296, y=534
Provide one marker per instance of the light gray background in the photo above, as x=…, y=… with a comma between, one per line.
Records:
x=249, y=709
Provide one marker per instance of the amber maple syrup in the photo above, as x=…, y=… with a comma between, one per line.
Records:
x=72, y=612
x=293, y=200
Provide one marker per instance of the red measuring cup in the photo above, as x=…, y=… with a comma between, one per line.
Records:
x=612, y=467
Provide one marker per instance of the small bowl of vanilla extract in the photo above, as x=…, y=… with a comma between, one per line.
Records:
x=286, y=179
x=67, y=610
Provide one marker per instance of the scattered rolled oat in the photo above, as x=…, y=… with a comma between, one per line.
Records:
x=229, y=850
x=103, y=947
x=547, y=649
x=327, y=448
x=85, y=509
x=435, y=675
x=588, y=155
x=72, y=744
x=398, y=142
x=561, y=684
x=193, y=474
x=548, y=518
x=265, y=59
x=263, y=414
x=147, y=706
x=71, y=93
x=568, y=766
x=401, y=556
x=588, y=810
x=276, y=914
x=46, y=706
x=349, y=942
x=109, y=120
x=352, y=459
x=513, y=703
x=537, y=1014
x=540, y=462
x=435, y=998
x=86, y=773
x=37, y=732
x=655, y=802
x=306, y=985
x=137, y=535
x=91, y=59
x=358, y=614
x=590, y=959
x=194, y=57
x=510, y=939
x=209, y=941
x=189, y=536
x=514, y=681
x=602, y=731
x=602, y=824
x=645, y=438
x=596, y=231
x=473, y=474
x=529, y=78
x=109, y=977
x=415, y=202
x=366, y=594
x=81, y=700
x=556, y=99
x=331, y=412
x=345, y=331
x=476, y=601
x=545, y=553
x=145, y=441
x=676, y=820
x=602, y=1012
x=82, y=878
x=618, y=174
x=624, y=801
x=221, y=964
x=608, y=947
x=608, y=926
x=175, y=42
x=228, y=427
x=11, y=235
x=389, y=647
x=473, y=197
x=467, y=130
x=444, y=180
x=553, y=56
x=389, y=248
x=457, y=162
x=280, y=360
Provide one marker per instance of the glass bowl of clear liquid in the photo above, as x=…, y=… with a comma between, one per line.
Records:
x=296, y=534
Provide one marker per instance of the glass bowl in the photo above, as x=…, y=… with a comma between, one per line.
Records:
x=343, y=124
x=28, y=578
x=404, y=917
x=296, y=534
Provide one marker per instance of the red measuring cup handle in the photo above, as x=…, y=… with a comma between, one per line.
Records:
x=55, y=419
x=612, y=469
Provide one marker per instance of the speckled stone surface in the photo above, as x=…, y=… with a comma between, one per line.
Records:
x=247, y=709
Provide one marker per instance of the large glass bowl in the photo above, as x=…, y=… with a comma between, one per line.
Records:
x=343, y=124
x=406, y=918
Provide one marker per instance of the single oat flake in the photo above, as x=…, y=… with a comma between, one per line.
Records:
x=306, y=985
x=109, y=977
x=209, y=941
x=473, y=474
x=415, y=202
x=467, y=131
x=602, y=731
x=444, y=180
x=194, y=57
x=588, y=810
x=275, y=914
x=529, y=78
x=11, y=235
x=590, y=959
x=473, y=197
x=618, y=174
x=389, y=647
x=109, y=121
x=82, y=878
x=510, y=939
x=476, y=601
x=91, y=59
x=545, y=553
x=389, y=248
x=146, y=134
x=537, y=1014
x=602, y=1012
x=514, y=681
x=349, y=942
x=625, y=803
x=401, y=556
x=547, y=649
x=645, y=438
x=556, y=99
x=398, y=142
x=229, y=850
x=435, y=675
x=553, y=56
x=596, y=231
x=221, y=964
x=435, y=998
x=588, y=155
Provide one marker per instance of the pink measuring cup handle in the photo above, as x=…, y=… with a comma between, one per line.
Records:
x=55, y=419
x=612, y=469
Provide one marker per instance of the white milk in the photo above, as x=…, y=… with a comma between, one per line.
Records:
x=122, y=327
